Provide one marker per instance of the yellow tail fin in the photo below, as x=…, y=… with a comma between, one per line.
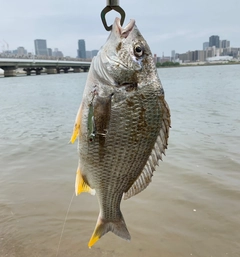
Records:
x=81, y=186
x=118, y=227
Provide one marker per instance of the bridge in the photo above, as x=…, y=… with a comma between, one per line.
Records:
x=10, y=65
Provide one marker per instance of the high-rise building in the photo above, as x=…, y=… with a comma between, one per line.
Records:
x=21, y=51
x=205, y=45
x=81, y=49
x=173, y=56
x=214, y=41
x=41, y=47
x=49, y=51
x=225, y=43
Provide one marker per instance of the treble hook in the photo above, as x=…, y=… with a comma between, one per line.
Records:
x=112, y=5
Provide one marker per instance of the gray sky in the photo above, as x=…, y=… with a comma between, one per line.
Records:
x=179, y=25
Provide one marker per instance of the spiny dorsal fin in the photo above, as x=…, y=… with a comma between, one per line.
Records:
x=144, y=178
x=81, y=186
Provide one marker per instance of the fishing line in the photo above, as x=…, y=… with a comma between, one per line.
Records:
x=64, y=223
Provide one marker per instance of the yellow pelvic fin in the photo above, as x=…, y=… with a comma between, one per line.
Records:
x=81, y=186
x=76, y=127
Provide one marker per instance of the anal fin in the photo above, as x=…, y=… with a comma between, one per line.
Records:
x=81, y=186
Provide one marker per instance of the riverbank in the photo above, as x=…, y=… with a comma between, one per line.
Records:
x=197, y=64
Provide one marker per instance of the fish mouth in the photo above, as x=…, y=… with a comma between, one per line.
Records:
x=124, y=32
x=121, y=32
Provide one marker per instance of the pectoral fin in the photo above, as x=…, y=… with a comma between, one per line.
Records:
x=76, y=127
x=81, y=186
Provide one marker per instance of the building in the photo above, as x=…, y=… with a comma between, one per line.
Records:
x=205, y=45
x=232, y=51
x=158, y=59
x=165, y=59
x=57, y=53
x=94, y=53
x=199, y=56
x=89, y=54
x=21, y=51
x=41, y=47
x=225, y=43
x=214, y=41
x=81, y=49
x=219, y=58
x=49, y=51
x=173, y=56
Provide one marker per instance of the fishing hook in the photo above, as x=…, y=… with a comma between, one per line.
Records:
x=112, y=5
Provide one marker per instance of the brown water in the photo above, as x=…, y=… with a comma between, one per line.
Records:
x=192, y=206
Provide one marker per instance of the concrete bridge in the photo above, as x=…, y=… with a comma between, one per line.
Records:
x=9, y=65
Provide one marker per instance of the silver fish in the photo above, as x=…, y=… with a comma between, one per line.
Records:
x=122, y=125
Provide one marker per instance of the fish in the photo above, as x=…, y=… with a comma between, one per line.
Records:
x=122, y=126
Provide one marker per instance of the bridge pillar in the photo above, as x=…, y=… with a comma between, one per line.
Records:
x=28, y=71
x=38, y=71
x=9, y=71
x=85, y=69
x=51, y=70
x=76, y=70
x=66, y=70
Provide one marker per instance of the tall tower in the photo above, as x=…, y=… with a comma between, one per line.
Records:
x=81, y=49
x=214, y=41
x=41, y=47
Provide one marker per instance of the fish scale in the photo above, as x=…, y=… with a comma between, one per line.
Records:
x=122, y=124
x=125, y=147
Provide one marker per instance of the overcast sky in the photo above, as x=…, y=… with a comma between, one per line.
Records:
x=179, y=25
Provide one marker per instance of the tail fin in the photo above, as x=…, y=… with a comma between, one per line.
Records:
x=118, y=227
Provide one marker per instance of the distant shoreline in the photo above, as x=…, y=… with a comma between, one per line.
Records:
x=198, y=64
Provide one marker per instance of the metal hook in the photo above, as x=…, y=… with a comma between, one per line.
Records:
x=112, y=5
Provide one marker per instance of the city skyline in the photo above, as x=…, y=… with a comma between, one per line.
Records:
x=41, y=49
x=216, y=46
x=165, y=25
x=82, y=52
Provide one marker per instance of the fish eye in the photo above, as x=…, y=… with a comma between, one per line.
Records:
x=138, y=50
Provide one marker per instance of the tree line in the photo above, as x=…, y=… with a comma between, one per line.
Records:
x=167, y=64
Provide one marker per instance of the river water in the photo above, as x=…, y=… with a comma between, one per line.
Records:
x=192, y=206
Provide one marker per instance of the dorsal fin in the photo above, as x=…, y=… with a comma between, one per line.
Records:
x=145, y=177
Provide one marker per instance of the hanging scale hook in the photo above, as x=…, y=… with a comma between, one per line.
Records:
x=112, y=5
